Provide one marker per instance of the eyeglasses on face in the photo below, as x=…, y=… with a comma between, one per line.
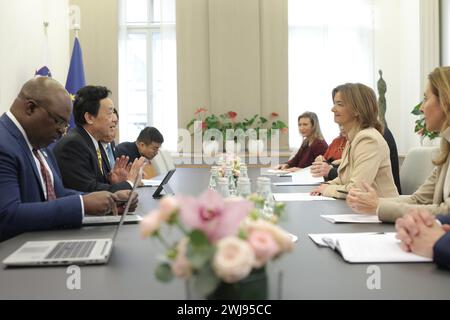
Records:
x=59, y=121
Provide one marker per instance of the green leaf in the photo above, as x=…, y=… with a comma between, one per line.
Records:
x=205, y=282
x=190, y=124
x=416, y=110
x=199, y=250
x=263, y=120
x=199, y=256
x=198, y=238
x=163, y=272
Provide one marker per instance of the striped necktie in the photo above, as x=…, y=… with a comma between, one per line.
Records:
x=46, y=176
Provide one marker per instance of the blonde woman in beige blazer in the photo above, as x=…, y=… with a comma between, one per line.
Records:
x=434, y=193
x=366, y=155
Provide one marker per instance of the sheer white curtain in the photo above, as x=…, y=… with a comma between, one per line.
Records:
x=147, y=69
x=165, y=111
x=330, y=43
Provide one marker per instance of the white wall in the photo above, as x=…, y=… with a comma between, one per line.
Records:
x=23, y=48
x=397, y=53
x=445, y=32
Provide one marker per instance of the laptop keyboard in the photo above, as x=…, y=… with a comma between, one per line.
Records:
x=72, y=249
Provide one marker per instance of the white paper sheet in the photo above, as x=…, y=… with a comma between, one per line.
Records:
x=351, y=218
x=150, y=183
x=299, y=197
x=367, y=248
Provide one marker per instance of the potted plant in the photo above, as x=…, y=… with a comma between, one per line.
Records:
x=227, y=123
x=420, y=127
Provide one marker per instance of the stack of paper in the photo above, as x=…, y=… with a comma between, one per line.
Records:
x=274, y=172
x=150, y=183
x=351, y=218
x=301, y=177
x=106, y=220
x=367, y=247
x=299, y=197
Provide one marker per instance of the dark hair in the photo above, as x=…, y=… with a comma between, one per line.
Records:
x=88, y=100
x=149, y=135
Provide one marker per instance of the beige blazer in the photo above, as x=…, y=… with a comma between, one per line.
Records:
x=430, y=195
x=365, y=158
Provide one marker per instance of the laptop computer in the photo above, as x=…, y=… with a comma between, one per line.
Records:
x=68, y=252
x=164, y=185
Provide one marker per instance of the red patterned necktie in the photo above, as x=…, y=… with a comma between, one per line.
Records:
x=46, y=176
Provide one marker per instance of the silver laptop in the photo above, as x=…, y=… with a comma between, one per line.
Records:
x=68, y=252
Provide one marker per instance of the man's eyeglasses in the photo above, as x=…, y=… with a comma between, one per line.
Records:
x=60, y=122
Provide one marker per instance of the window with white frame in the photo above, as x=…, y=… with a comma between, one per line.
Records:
x=330, y=43
x=147, y=69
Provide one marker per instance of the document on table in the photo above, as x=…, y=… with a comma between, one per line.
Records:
x=275, y=172
x=150, y=183
x=302, y=177
x=367, y=247
x=299, y=197
x=107, y=220
x=351, y=218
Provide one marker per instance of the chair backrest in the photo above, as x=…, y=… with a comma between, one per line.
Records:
x=416, y=168
x=168, y=160
x=163, y=162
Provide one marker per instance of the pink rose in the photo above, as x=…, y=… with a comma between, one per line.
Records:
x=181, y=267
x=150, y=224
x=264, y=246
x=168, y=206
x=281, y=237
x=233, y=260
x=199, y=110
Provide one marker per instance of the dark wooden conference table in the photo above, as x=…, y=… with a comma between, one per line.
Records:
x=309, y=272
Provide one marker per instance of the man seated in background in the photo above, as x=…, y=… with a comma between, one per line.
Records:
x=147, y=145
x=80, y=154
x=32, y=193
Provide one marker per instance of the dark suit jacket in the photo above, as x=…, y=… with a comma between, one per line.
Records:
x=23, y=206
x=394, y=157
x=78, y=162
x=128, y=149
x=441, y=249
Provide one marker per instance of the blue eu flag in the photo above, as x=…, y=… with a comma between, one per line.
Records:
x=75, y=77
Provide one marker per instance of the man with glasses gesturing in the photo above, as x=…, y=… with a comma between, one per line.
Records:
x=32, y=194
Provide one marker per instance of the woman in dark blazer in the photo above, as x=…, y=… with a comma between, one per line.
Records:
x=313, y=143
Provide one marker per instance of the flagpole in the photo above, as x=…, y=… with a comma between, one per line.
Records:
x=74, y=19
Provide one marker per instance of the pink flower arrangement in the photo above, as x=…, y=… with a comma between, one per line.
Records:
x=221, y=239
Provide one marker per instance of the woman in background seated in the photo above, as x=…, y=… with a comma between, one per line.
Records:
x=422, y=234
x=434, y=193
x=312, y=146
x=326, y=166
x=366, y=155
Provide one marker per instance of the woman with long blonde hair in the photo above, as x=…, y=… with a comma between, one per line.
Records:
x=434, y=193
